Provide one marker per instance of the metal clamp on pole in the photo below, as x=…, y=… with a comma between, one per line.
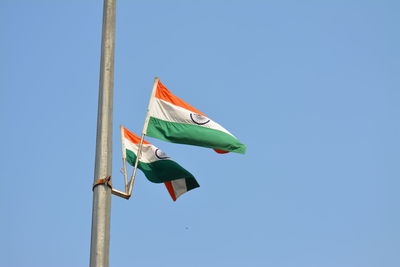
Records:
x=106, y=181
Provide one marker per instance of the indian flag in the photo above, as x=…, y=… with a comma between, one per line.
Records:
x=156, y=165
x=173, y=120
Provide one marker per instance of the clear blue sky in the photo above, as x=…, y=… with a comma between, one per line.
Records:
x=312, y=88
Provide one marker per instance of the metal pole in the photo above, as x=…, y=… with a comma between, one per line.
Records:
x=100, y=241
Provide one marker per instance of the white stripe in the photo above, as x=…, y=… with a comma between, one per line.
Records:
x=179, y=186
x=166, y=111
x=148, y=151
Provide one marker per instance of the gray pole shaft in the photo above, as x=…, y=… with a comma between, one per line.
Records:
x=100, y=242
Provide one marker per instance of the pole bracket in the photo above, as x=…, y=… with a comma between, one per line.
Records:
x=105, y=181
x=118, y=193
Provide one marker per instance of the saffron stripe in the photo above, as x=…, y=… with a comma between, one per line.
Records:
x=133, y=137
x=170, y=189
x=163, y=93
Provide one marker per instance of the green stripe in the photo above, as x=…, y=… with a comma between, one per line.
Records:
x=161, y=171
x=189, y=134
x=191, y=183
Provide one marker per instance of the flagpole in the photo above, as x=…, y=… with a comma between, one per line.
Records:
x=144, y=131
x=124, y=158
x=100, y=236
